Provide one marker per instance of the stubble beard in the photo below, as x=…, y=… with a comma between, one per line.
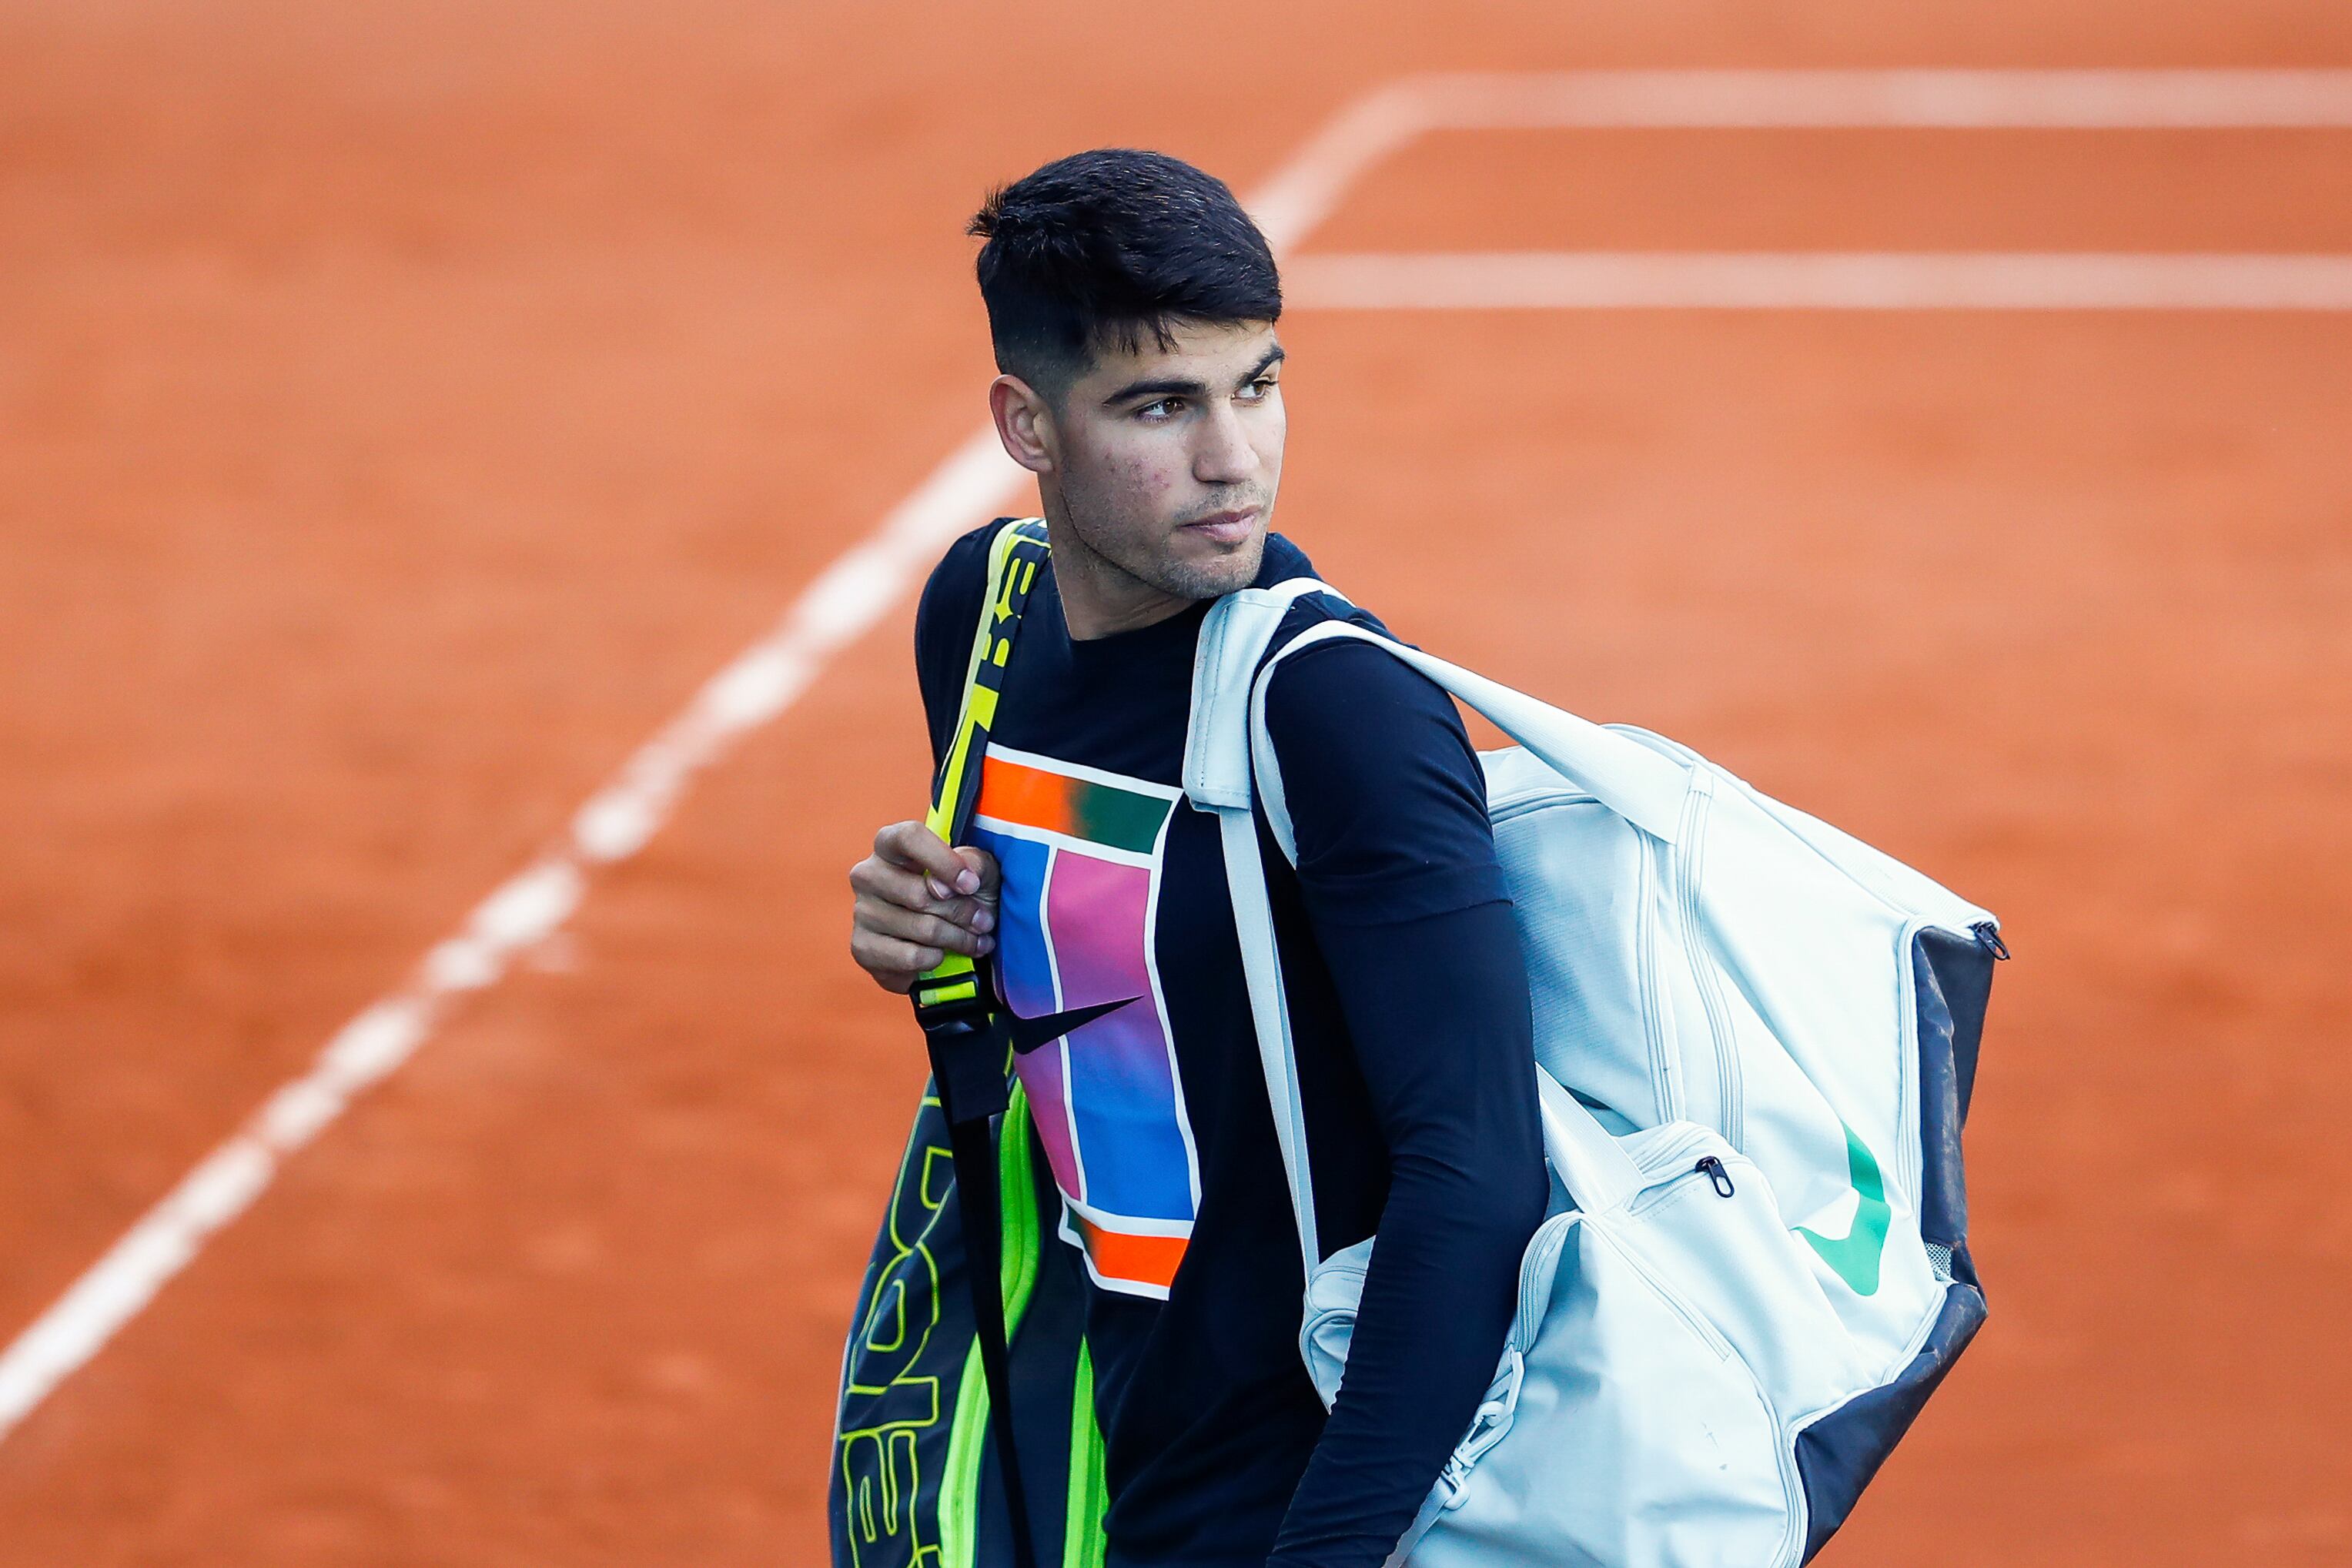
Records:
x=1218, y=575
x=1211, y=578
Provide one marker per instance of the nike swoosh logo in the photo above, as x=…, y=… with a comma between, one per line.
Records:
x=1028, y=1034
x=1855, y=1257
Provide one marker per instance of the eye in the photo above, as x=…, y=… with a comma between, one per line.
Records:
x=1259, y=389
x=1159, y=409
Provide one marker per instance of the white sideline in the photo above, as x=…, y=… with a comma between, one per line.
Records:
x=858, y=586
x=1818, y=280
x=613, y=825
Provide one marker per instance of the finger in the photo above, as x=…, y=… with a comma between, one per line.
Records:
x=879, y=879
x=896, y=964
x=971, y=914
x=912, y=925
x=914, y=847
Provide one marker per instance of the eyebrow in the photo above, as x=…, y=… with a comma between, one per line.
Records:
x=1178, y=386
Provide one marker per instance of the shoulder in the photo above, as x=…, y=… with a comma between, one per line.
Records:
x=1314, y=666
x=1347, y=709
x=945, y=618
x=1342, y=677
x=960, y=579
x=1375, y=779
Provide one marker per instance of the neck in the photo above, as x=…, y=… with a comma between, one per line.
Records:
x=1100, y=598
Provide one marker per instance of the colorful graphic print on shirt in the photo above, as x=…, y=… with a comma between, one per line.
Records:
x=1080, y=853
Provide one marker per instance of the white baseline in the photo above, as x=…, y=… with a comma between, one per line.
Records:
x=1766, y=281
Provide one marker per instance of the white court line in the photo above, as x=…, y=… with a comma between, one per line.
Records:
x=1384, y=121
x=1817, y=280
x=614, y=824
x=858, y=586
x=1929, y=100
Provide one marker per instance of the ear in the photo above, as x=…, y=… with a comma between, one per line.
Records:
x=1025, y=422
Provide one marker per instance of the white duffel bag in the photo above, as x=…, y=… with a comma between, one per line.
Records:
x=1755, y=1038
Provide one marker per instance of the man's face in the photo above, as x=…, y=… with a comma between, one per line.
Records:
x=1170, y=458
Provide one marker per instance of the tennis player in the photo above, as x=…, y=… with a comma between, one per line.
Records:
x=1133, y=308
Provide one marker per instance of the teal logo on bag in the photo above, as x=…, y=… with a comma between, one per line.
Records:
x=1854, y=1256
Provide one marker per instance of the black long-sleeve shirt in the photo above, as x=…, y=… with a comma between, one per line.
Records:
x=1410, y=1020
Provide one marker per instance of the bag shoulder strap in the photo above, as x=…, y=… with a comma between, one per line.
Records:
x=1233, y=639
x=1014, y=556
x=954, y=1003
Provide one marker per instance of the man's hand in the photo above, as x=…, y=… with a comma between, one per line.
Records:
x=917, y=900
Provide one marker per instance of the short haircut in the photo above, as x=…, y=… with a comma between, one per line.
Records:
x=1101, y=247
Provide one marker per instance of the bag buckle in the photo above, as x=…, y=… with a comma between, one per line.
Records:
x=1487, y=1427
x=966, y=1043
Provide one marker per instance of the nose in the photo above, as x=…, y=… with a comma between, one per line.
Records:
x=1223, y=454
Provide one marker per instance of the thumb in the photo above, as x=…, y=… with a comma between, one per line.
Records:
x=983, y=863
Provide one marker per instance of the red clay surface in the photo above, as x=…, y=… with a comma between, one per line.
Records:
x=402, y=409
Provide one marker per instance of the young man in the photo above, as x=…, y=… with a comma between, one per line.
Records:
x=1133, y=306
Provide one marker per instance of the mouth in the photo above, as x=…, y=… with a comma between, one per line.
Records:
x=1225, y=527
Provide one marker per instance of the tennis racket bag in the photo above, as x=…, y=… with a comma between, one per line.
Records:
x=1755, y=1039
x=915, y=1479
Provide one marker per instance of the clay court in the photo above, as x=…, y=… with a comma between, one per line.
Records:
x=407, y=410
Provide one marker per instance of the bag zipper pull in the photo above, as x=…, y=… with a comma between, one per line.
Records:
x=1988, y=937
x=1715, y=1175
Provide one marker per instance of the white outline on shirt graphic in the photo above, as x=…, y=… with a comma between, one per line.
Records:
x=1152, y=863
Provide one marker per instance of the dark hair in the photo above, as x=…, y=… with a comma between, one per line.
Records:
x=1101, y=247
